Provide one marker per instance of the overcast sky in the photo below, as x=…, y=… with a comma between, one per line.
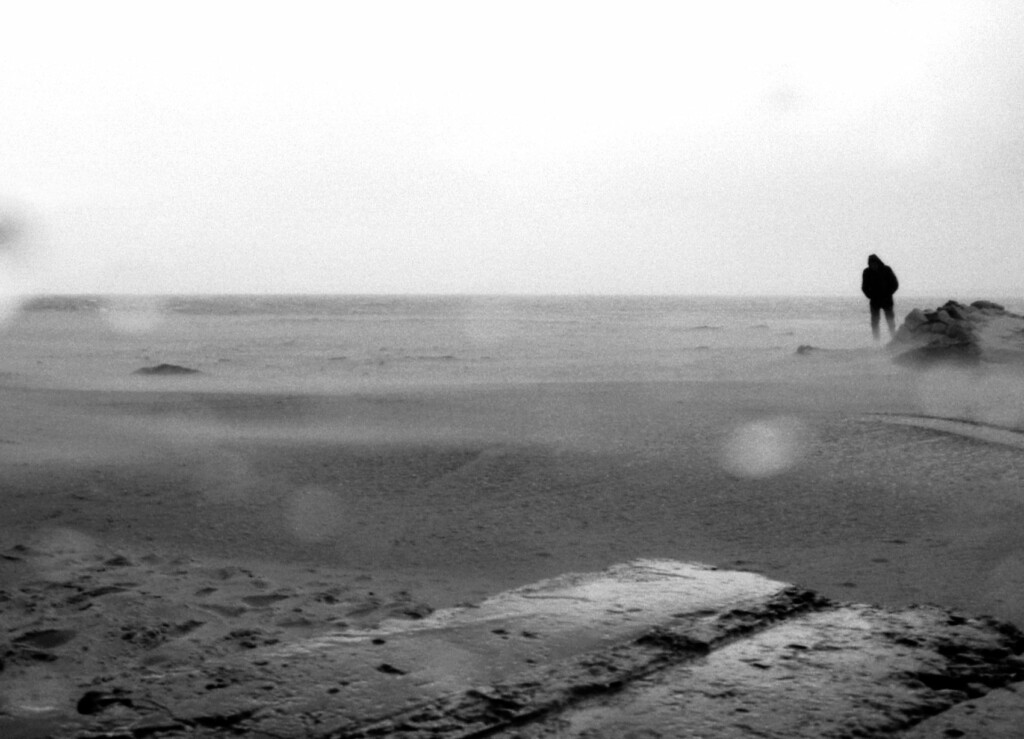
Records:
x=481, y=147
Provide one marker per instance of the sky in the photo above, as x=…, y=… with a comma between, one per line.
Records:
x=491, y=147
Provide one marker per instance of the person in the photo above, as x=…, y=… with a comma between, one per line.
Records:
x=879, y=283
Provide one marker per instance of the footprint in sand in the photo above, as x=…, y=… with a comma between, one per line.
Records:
x=229, y=573
x=402, y=607
x=45, y=638
x=98, y=592
x=266, y=600
x=149, y=636
x=251, y=638
x=224, y=609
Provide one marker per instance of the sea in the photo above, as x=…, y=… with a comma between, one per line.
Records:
x=338, y=343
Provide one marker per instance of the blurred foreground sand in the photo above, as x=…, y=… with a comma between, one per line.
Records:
x=162, y=526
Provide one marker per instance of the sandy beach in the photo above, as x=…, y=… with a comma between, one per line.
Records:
x=172, y=521
x=316, y=318
x=147, y=528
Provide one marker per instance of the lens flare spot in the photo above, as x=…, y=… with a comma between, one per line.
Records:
x=18, y=230
x=314, y=514
x=37, y=691
x=17, y=253
x=764, y=448
x=20, y=251
x=58, y=553
x=14, y=291
x=134, y=314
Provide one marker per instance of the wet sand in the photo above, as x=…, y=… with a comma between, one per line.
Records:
x=166, y=526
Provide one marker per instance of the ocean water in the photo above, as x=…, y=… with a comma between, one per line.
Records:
x=339, y=343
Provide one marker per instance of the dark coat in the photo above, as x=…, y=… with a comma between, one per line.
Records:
x=878, y=285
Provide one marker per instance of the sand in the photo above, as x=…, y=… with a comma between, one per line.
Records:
x=171, y=525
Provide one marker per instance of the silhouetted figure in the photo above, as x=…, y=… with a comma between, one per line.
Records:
x=879, y=283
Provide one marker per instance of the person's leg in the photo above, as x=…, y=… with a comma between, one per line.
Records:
x=890, y=318
x=875, y=318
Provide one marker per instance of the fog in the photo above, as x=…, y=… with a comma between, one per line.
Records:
x=685, y=149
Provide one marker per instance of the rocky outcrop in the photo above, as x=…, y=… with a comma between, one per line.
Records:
x=166, y=369
x=650, y=648
x=958, y=333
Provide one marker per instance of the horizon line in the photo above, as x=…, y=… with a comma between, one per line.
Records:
x=27, y=298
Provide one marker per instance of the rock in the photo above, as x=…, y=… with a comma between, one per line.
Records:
x=962, y=334
x=166, y=369
x=46, y=638
x=914, y=319
x=903, y=334
x=646, y=648
x=987, y=304
x=954, y=311
x=96, y=701
x=958, y=331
